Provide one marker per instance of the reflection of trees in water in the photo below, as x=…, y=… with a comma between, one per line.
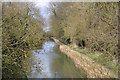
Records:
x=64, y=66
x=56, y=49
x=34, y=65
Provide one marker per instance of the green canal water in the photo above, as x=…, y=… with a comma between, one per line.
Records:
x=51, y=63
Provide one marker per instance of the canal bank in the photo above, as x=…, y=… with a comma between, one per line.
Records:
x=93, y=69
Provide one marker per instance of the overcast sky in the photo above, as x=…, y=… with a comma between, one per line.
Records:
x=43, y=6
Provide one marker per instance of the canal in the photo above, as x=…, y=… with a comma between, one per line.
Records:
x=51, y=63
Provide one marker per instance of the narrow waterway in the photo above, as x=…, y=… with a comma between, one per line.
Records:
x=51, y=63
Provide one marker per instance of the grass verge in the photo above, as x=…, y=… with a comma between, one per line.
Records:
x=100, y=58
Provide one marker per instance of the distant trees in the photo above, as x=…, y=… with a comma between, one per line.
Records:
x=91, y=25
x=21, y=32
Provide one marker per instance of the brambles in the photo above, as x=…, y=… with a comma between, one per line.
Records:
x=21, y=32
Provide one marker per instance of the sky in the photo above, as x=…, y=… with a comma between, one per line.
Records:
x=43, y=6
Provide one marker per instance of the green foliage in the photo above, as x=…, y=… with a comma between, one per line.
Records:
x=21, y=32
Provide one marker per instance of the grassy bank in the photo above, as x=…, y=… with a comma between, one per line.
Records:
x=100, y=58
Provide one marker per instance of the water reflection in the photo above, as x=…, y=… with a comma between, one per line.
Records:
x=51, y=63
